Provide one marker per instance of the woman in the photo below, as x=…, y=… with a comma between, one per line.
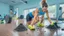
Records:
x=33, y=16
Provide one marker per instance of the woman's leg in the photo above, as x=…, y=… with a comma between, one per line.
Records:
x=36, y=21
x=28, y=19
x=28, y=22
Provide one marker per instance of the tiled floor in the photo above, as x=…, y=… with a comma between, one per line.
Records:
x=7, y=30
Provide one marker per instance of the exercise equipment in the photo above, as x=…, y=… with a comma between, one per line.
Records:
x=1, y=21
x=20, y=28
x=15, y=13
x=54, y=26
x=11, y=12
x=62, y=29
x=8, y=19
x=40, y=24
x=31, y=27
x=21, y=17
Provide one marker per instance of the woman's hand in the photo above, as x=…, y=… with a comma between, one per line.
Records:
x=46, y=11
x=36, y=11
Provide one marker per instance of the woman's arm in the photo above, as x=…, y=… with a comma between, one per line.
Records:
x=48, y=17
x=35, y=16
x=42, y=19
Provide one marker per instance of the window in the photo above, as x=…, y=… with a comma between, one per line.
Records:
x=52, y=11
x=62, y=5
x=31, y=10
x=25, y=13
x=28, y=11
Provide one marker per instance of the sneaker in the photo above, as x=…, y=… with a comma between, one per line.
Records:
x=31, y=27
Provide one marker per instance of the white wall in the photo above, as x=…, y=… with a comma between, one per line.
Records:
x=4, y=9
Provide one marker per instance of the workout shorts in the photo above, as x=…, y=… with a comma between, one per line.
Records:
x=28, y=18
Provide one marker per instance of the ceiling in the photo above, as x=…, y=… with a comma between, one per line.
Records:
x=13, y=2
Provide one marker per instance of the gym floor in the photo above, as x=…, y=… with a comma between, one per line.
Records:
x=7, y=30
